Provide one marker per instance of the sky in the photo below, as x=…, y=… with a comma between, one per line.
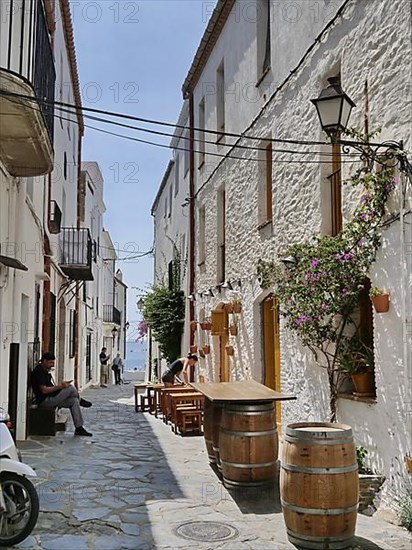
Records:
x=133, y=58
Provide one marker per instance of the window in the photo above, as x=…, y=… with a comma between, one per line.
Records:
x=72, y=333
x=201, y=132
x=170, y=200
x=220, y=100
x=166, y=208
x=263, y=38
x=186, y=153
x=65, y=166
x=265, y=193
x=202, y=235
x=221, y=235
x=177, y=174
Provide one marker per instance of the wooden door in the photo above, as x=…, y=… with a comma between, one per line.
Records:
x=220, y=329
x=271, y=349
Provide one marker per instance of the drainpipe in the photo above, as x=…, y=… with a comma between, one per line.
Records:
x=80, y=199
x=191, y=220
x=47, y=270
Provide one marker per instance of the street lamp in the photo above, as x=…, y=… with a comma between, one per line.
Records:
x=334, y=108
x=114, y=333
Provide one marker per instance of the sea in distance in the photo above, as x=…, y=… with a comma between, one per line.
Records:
x=135, y=356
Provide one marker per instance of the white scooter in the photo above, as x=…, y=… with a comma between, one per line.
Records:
x=19, y=502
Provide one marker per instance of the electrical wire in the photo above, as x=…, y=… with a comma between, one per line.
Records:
x=208, y=153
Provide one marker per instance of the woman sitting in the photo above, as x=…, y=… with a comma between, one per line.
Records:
x=177, y=368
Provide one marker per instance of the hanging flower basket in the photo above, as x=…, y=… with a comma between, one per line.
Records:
x=193, y=349
x=381, y=302
x=206, y=326
x=229, y=308
x=230, y=350
x=206, y=349
x=237, y=307
x=193, y=325
x=233, y=330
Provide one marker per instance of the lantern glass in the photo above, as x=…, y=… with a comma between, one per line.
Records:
x=334, y=108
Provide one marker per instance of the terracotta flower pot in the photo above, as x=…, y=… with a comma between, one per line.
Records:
x=230, y=350
x=193, y=325
x=237, y=308
x=233, y=330
x=206, y=350
x=193, y=349
x=381, y=303
x=364, y=384
x=229, y=308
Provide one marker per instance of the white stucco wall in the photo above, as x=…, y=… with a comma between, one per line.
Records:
x=370, y=41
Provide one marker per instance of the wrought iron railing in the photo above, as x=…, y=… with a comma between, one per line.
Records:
x=111, y=315
x=26, y=51
x=76, y=246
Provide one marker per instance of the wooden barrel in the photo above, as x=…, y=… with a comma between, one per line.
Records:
x=248, y=443
x=217, y=418
x=208, y=428
x=319, y=485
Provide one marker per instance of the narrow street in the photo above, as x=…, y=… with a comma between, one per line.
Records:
x=135, y=482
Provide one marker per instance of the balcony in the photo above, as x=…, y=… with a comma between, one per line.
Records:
x=55, y=218
x=76, y=256
x=26, y=68
x=111, y=315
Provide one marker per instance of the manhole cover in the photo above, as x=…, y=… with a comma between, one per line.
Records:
x=207, y=531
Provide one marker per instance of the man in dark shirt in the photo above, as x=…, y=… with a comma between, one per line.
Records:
x=48, y=394
x=104, y=368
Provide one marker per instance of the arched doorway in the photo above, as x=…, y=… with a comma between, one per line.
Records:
x=271, y=348
x=220, y=326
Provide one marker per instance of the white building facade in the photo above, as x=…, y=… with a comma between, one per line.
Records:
x=255, y=73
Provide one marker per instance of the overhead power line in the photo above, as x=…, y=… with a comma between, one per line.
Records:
x=156, y=144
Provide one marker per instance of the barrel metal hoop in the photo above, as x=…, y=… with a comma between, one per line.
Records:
x=251, y=413
x=240, y=465
x=305, y=470
x=263, y=407
x=248, y=434
x=336, y=430
x=319, y=511
x=310, y=542
x=311, y=441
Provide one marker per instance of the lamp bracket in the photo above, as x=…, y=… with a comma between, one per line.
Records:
x=388, y=152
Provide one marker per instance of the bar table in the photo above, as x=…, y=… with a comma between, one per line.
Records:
x=240, y=430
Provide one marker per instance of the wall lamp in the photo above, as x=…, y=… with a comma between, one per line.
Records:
x=334, y=108
x=228, y=285
x=289, y=261
x=192, y=297
x=210, y=293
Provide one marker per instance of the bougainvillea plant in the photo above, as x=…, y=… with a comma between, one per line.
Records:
x=320, y=291
x=141, y=330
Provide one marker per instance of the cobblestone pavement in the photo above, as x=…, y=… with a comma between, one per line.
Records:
x=135, y=482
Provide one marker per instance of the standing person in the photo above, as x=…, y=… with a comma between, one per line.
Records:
x=177, y=368
x=104, y=368
x=117, y=368
x=49, y=394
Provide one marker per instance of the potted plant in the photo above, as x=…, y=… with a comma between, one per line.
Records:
x=369, y=482
x=380, y=299
x=233, y=327
x=229, y=307
x=357, y=361
x=206, y=324
x=236, y=305
x=230, y=350
x=193, y=325
x=193, y=349
x=206, y=349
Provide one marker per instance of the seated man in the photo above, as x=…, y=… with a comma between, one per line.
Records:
x=48, y=394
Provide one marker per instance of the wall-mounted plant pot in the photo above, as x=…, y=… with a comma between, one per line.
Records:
x=381, y=303
x=206, y=350
x=229, y=308
x=193, y=326
x=207, y=326
x=230, y=350
x=233, y=330
x=237, y=308
x=408, y=462
x=193, y=349
x=364, y=384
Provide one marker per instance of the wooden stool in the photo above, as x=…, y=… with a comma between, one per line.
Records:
x=146, y=403
x=191, y=421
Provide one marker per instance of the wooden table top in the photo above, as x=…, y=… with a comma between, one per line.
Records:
x=245, y=390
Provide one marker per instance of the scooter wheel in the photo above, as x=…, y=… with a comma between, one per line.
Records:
x=17, y=521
